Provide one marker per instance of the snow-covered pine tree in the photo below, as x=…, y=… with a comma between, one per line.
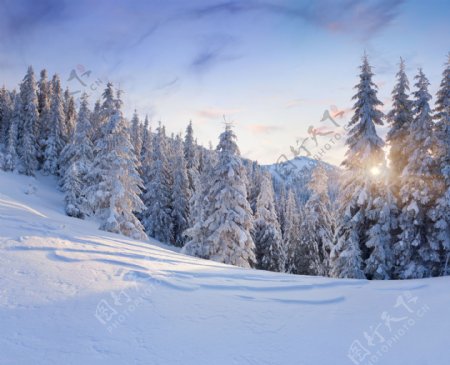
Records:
x=146, y=157
x=55, y=140
x=363, y=158
x=292, y=235
x=255, y=178
x=383, y=214
x=115, y=183
x=70, y=114
x=180, y=195
x=280, y=206
x=44, y=97
x=317, y=227
x=199, y=204
x=225, y=235
x=11, y=140
x=136, y=137
x=157, y=218
x=270, y=254
x=96, y=121
x=6, y=110
x=190, y=155
x=442, y=210
x=78, y=158
x=417, y=251
x=28, y=128
x=102, y=112
x=400, y=119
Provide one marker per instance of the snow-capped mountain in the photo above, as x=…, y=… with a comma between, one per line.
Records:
x=296, y=173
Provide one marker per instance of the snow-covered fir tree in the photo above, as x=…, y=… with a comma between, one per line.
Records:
x=78, y=157
x=225, y=235
x=6, y=110
x=270, y=254
x=292, y=235
x=96, y=121
x=364, y=157
x=12, y=135
x=441, y=214
x=255, y=178
x=28, y=128
x=44, y=98
x=190, y=155
x=180, y=194
x=55, y=140
x=417, y=250
x=400, y=119
x=146, y=157
x=136, y=137
x=70, y=115
x=280, y=206
x=199, y=204
x=383, y=214
x=115, y=183
x=317, y=228
x=157, y=218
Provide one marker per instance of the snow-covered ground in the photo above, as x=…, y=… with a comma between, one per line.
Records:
x=71, y=294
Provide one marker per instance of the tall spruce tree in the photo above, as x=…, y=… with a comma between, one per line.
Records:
x=115, y=183
x=44, y=98
x=199, y=205
x=270, y=254
x=400, y=119
x=29, y=126
x=417, y=250
x=6, y=110
x=383, y=214
x=225, y=235
x=55, y=140
x=78, y=158
x=318, y=227
x=136, y=136
x=157, y=218
x=70, y=114
x=364, y=156
x=442, y=211
x=295, y=262
x=12, y=136
x=180, y=194
x=191, y=158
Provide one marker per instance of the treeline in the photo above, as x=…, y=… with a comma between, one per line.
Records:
x=391, y=220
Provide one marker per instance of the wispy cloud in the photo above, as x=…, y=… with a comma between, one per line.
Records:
x=263, y=129
x=214, y=49
x=294, y=103
x=364, y=18
x=215, y=113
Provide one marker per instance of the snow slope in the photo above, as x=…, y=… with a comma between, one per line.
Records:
x=71, y=294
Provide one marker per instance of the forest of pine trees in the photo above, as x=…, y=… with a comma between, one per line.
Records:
x=391, y=219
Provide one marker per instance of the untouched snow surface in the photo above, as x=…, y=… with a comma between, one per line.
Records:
x=71, y=294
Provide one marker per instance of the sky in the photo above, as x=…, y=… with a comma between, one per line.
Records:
x=271, y=68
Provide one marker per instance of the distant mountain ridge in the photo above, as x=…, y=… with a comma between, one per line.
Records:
x=295, y=174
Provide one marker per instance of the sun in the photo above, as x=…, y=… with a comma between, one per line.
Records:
x=375, y=171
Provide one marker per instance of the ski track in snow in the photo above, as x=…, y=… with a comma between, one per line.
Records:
x=55, y=271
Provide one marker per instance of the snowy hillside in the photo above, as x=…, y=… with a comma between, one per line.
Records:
x=72, y=294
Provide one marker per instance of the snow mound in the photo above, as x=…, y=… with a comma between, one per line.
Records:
x=72, y=294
